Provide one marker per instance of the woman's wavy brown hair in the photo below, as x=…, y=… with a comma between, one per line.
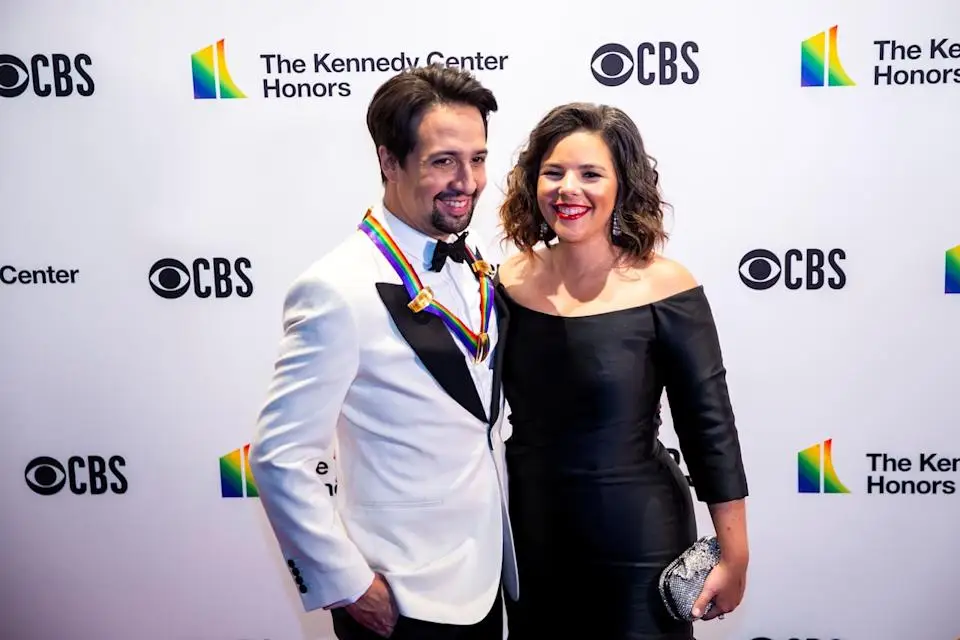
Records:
x=639, y=207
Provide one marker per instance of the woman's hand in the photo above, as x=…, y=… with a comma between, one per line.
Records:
x=728, y=580
x=724, y=586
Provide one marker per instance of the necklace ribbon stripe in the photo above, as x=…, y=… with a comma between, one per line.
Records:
x=477, y=344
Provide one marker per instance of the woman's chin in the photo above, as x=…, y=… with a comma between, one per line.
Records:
x=573, y=232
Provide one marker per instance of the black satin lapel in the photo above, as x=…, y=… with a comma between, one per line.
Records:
x=430, y=339
x=503, y=321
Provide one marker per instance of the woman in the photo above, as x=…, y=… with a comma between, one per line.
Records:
x=599, y=326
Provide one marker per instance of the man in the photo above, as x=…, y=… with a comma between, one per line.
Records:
x=389, y=356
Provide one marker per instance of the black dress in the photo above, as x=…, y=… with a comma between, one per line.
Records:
x=598, y=506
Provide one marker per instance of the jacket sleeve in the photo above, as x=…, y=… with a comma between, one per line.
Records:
x=695, y=380
x=318, y=359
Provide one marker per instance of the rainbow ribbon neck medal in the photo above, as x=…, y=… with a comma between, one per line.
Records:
x=422, y=298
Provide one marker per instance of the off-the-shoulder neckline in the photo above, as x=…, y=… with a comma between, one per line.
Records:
x=672, y=297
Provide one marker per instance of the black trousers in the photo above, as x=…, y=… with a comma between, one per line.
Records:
x=490, y=628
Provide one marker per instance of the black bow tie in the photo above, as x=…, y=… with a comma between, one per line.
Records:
x=456, y=251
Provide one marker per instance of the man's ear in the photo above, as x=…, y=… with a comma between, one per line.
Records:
x=389, y=164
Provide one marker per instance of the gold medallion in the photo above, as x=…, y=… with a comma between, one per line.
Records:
x=483, y=347
x=483, y=267
x=422, y=301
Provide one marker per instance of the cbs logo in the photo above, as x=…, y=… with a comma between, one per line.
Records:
x=93, y=475
x=657, y=63
x=56, y=74
x=218, y=277
x=761, y=269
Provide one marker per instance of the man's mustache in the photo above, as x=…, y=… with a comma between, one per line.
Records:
x=455, y=194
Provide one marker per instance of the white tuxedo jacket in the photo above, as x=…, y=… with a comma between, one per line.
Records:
x=420, y=468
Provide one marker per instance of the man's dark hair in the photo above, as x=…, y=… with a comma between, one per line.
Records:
x=399, y=104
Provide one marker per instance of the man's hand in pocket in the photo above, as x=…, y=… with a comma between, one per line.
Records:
x=376, y=609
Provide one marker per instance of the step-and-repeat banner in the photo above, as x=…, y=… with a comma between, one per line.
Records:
x=166, y=170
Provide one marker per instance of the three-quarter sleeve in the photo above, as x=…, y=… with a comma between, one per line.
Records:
x=694, y=375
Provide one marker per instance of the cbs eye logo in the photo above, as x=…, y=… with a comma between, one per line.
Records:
x=94, y=475
x=68, y=75
x=761, y=269
x=657, y=63
x=219, y=277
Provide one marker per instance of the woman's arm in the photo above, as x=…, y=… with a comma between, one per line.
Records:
x=730, y=523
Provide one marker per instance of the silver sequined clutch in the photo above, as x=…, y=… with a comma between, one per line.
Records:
x=682, y=580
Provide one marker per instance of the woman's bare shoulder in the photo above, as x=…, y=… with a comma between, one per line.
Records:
x=664, y=277
x=520, y=267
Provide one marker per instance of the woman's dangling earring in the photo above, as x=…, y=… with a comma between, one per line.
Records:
x=615, y=226
x=543, y=229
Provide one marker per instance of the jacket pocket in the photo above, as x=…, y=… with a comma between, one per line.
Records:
x=397, y=504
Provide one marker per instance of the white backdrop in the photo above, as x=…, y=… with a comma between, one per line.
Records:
x=136, y=396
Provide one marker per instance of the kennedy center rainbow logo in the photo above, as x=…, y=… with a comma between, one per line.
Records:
x=820, y=63
x=211, y=79
x=236, y=481
x=815, y=472
x=952, y=271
